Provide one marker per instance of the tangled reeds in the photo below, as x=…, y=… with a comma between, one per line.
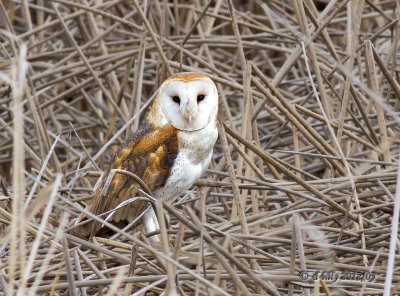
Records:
x=300, y=198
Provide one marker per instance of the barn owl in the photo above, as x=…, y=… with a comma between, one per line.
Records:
x=169, y=152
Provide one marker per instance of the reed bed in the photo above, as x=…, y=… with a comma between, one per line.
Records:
x=300, y=198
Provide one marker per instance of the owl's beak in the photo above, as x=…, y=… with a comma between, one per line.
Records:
x=188, y=113
x=189, y=117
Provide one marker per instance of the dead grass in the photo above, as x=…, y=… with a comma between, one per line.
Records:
x=303, y=176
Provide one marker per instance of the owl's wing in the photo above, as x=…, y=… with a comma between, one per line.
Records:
x=149, y=154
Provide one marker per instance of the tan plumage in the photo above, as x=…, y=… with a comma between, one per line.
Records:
x=168, y=152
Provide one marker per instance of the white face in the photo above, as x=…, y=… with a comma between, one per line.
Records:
x=189, y=105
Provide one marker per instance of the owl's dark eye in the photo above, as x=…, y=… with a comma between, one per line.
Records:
x=200, y=98
x=176, y=99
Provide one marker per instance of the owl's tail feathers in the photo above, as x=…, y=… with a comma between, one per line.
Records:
x=84, y=225
x=83, y=228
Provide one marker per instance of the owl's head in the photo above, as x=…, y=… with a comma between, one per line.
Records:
x=188, y=101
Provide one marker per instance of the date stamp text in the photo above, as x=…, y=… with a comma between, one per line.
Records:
x=334, y=275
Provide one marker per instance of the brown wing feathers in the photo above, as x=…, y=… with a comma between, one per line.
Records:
x=149, y=154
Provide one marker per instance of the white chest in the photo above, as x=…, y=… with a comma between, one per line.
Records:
x=194, y=156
